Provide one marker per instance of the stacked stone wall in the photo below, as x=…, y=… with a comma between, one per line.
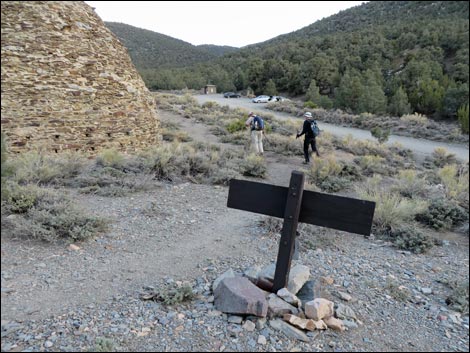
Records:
x=67, y=83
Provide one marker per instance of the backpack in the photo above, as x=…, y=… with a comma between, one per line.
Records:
x=257, y=123
x=315, y=128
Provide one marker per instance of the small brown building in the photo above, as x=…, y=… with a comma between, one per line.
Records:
x=210, y=89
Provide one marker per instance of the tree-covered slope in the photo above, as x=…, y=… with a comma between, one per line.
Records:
x=151, y=50
x=392, y=57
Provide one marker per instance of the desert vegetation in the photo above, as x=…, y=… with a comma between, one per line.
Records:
x=412, y=201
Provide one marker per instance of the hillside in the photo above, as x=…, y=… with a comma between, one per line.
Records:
x=217, y=50
x=381, y=57
x=151, y=50
x=378, y=13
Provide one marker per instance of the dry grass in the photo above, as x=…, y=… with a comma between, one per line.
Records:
x=391, y=210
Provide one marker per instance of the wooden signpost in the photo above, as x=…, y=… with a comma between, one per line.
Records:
x=296, y=205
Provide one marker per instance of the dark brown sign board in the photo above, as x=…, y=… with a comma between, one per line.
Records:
x=295, y=204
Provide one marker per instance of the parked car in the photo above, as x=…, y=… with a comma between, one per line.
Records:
x=231, y=95
x=262, y=99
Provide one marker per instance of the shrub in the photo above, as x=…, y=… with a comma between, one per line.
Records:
x=209, y=105
x=415, y=119
x=39, y=168
x=254, y=165
x=110, y=182
x=409, y=184
x=171, y=294
x=456, y=183
x=391, y=210
x=236, y=125
x=333, y=184
x=372, y=164
x=171, y=132
x=381, y=135
x=458, y=299
x=400, y=293
x=104, y=345
x=440, y=157
x=54, y=217
x=238, y=138
x=20, y=198
x=280, y=144
x=442, y=214
x=310, y=105
x=462, y=115
x=332, y=176
x=412, y=239
x=5, y=166
x=3, y=151
x=110, y=158
x=323, y=169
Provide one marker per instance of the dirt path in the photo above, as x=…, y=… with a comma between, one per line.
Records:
x=279, y=167
x=196, y=225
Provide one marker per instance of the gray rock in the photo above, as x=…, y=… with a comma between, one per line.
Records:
x=345, y=312
x=278, y=307
x=289, y=330
x=307, y=292
x=238, y=295
x=227, y=274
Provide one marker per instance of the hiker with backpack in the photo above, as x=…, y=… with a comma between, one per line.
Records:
x=256, y=125
x=311, y=131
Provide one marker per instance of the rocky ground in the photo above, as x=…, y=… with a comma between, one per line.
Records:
x=87, y=297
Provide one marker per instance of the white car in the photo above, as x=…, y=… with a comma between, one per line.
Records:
x=264, y=99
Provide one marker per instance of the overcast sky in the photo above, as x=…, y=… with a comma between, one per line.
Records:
x=233, y=23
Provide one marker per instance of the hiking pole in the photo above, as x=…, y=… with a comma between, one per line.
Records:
x=266, y=139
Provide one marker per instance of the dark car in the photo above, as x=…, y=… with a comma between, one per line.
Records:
x=231, y=95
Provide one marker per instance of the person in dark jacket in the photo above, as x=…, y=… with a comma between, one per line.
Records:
x=309, y=137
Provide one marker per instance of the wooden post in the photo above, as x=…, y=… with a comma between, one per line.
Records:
x=296, y=205
x=289, y=229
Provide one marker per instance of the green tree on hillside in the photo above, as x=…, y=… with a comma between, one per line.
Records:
x=350, y=91
x=399, y=104
x=462, y=115
x=372, y=98
x=270, y=89
x=455, y=97
x=313, y=93
x=427, y=96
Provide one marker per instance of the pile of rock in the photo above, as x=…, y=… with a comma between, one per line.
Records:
x=297, y=304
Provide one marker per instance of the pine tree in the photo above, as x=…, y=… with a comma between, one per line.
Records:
x=399, y=104
x=349, y=91
x=372, y=99
x=313, y=93
x=270, y=89
x=462, y=115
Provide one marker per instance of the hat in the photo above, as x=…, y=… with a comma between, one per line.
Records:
x=308, y=115
x=251, y=113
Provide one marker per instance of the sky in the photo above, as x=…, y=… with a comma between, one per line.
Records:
x=232, y=23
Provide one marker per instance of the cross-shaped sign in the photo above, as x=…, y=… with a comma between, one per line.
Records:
x=296, y=205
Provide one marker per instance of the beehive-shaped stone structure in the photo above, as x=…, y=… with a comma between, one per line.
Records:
x=68, y=83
